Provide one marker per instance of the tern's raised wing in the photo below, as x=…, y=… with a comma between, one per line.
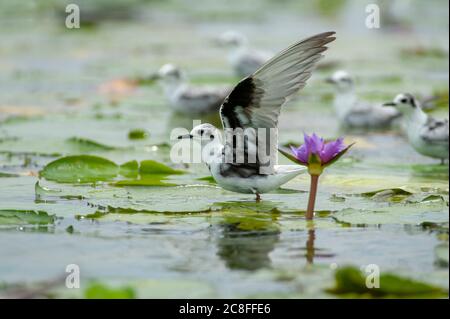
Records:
x=256, y=101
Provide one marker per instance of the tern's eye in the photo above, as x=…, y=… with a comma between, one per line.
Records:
x=211, y=137
x=404, y=100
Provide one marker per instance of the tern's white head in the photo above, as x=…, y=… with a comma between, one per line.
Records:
x=342, y=81
x=210, y=139
x=405, y=103
x=170, y=73
x=232, y=39
x=204, y=133
x=171, y=78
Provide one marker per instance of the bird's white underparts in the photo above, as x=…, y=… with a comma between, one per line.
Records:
x=427, y=135
x=253, y=106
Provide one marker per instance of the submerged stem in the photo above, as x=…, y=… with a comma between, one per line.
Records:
x=312, y=196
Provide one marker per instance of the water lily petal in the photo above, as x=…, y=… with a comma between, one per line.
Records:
x=316, y=144
x=300, y=153
x=331, y=149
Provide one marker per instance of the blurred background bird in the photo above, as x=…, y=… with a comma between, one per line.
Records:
x=184, y=98
x=241, y=57
x=355, y=113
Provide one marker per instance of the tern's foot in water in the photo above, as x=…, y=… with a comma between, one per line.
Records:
x=258, y=197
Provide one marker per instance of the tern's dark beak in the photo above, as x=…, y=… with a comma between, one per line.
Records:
x=389, y=104
x=187, y=136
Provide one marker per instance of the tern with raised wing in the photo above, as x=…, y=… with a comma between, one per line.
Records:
x=255, y=104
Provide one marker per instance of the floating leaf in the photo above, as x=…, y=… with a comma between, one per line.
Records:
x=420, y=51
x=101, y=291
x=150, y=167
x=391, y=195
x=70, y=229
x=145, y=180
x=351, y=281
x=7, y=175
x=88, y=168
x=137, y=134
x=208, y=179
x=83, y=145
x=25, y=217
x=398, y=214
x=130, y=169
x=80, y=169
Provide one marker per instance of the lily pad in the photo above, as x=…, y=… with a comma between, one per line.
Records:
x=391, y=195
x=150, y=167
x=83, y=145
x=401, y=214
x=101, y=291
x=80, y=169
x=88, y=169
x=138, y=134
x=11, y=217
x=350, y=281
x=146, y=180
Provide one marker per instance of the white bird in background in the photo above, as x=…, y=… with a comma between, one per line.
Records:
x=242, y=59
x=184, y=98
x=427, y=135
x=255, y=103
x=354, y=113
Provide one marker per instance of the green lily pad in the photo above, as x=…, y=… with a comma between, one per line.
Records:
x=25, y=217
x=80, y=169
x=351, y=281
x=89, y=168
x=146, y=180
x=84, y=145
x=101, y=291
x=401, y=214
x=137, y=134
x=208, y=179
x=7, y=175
x=391, y=195
x=150, y=167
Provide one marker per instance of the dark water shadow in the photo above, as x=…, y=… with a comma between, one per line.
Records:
x=247, y=241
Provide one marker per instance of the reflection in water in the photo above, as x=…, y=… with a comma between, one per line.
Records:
x=310, y=251
x=247, y=249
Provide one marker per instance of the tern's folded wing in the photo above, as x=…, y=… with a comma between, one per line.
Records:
x=435, y=131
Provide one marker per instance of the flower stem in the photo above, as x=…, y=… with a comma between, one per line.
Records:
x=312, y=196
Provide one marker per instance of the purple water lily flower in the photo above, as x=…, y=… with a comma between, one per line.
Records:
x=316, y=146
x=316, y=154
